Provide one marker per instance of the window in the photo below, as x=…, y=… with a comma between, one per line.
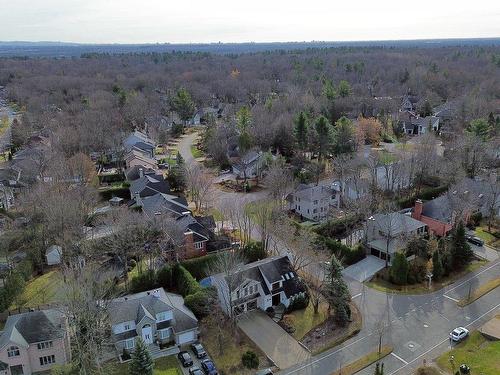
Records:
x=47, y=360
x=129, y=344
x=315, y=202
x=44, y=345
x=165, y=333
x=198, y=245
x=13, y=351
x=126, y=327
x=276, y=285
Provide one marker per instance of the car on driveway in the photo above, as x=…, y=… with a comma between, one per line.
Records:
x=185, y=359
x=198, y=350
x=208, y=367
x=474, y=240
x=195, y=371
x=458, y=334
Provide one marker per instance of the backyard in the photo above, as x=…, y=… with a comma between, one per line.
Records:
x=480, y=354
x=45, y=289
x=163, y=366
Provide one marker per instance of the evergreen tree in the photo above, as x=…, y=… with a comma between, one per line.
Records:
x=379, y=369
x=176, y=174
x=329, y=90
x=399, y=269
x=480, y=128
x=437, y=265
x=142, y=362
x=426, y=109
x=301, y=131
x=344, y=89
x=243, y=121
x=460, y=250
x=337, y=292
x=344, y=136
x=183, y=104
x=324, y=136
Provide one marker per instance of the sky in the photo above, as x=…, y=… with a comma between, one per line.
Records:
x=205, y=21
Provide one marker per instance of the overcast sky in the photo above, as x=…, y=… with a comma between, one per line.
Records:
x=193, y=21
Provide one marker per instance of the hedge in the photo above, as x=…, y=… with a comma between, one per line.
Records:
x=121, y=192
x=336, y=228
x=198, y=267
x=347, y=255
x=110, y=178
x=186, y=283
x=425, y=194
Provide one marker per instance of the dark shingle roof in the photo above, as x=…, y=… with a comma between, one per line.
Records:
x=149, y=185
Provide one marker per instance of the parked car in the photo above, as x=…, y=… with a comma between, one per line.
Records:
x=474, y=240
x=459, y=333
x=208, y=367
x=185, y=359
x=266, y=371
x=195, y=371
x=198, y=350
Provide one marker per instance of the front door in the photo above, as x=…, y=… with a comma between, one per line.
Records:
x=147, y=334
x=16, y=370
x=276, y=299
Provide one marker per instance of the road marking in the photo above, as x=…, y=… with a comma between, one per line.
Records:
x=447, y=340
x=453, y=299
x=398, y=357
x=357, y=295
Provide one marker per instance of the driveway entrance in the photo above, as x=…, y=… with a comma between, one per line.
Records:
x=278, y=345
x=364, y=269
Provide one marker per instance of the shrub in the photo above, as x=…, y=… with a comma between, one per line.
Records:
x=186, y=283
x=200, y=302
x=347, y=255
x=165, y=278
x=298, y=303
x=198, y=267
x=143, y=281
x=250, y=359
x=399, y=269
x=254, y=251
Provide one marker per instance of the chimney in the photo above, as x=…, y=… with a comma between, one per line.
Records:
x=417, y=211
x=137, y=198
x=189, y=244
x=141, y=172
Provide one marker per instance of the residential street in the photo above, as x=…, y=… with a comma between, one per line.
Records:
x=417, y=326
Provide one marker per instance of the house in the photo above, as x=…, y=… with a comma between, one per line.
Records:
x=33, y=342
x=161, y=319
x=53, y=255
x=135, y=158
x=409, y=102
x=259, y=285
x=461, y=200
x=162, y=204
x=196, y=236
x=249, y=165
x=416, y=125
x=148, y=184
x=138, y=171
x=313, y=202
x=139, y=141
x=388, y=233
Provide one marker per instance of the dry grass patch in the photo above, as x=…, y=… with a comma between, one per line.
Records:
x=364, y=361
x=479, y=292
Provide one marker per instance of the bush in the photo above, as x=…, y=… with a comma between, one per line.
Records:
x=425, y=194
x=347, y=255
x=143, y=281
x=254, y=251
x=338, y=227
x=198, y=267
x=475, y=219
x=186, y=283
x=200, y=302
x=250, y=359
x=298, y=303
x=121, y=192
x=165, y=278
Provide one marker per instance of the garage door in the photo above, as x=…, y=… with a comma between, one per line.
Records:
x=186, y=337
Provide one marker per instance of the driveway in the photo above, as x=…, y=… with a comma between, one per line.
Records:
x=278, y=345
x=364, y=269
x=484, y=252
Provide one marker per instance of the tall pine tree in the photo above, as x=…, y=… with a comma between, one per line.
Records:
x=437, y=265
x=301, y=131
x=461, y=253
x=337, y=292
x=142, y=362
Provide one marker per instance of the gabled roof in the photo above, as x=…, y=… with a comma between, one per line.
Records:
x=133, y=173
x=313, y=192
x=189, y=223
x=56, y=249
x=396, y=223
x=149, y=185
x=33, y=327
x=161, y=203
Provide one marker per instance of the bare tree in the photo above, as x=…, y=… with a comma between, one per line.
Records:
x=315, y=288
x=200, y=186
x=279, y=181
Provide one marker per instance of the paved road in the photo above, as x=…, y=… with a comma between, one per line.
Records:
x=282, y=348
x=417, y=326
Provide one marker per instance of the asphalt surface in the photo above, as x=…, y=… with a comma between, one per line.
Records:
x=416, y=326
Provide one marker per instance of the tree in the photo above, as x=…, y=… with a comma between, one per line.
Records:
x=426, y=109
x=344, y=89
x=279, y=181
x=250, y=359
x=437, y=265
x=369, y=130
x=399, y=269
x=329, y=90
x=301, y=131
x=199, y=185
x=379, y=369
x=323, y=136
x=142, y=362
x=480, y=128
x=460, y=250
x=243, y=121
x=343, y=136
x=314, y=290
x=183, y=104
x=336, y=292
x=176, y=174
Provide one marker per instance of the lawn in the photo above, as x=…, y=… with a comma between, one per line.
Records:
x=163, y=366
x=364, y=361
x=197, y=153
x=479, y=292
x=4, y=124
x=422, y=288
x=488, y=237
x=47, y=288
x=229, y=360
x=481, y=355
x=304, y=320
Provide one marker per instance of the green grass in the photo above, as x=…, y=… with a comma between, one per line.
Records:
x=422, y=288
x=4, y=124
x=364, y=361
x=480, y=354
x=488, y=237
x=304, y=320
x=163, y=366
x=479, y=292
x=196, y=152
x=47, y=288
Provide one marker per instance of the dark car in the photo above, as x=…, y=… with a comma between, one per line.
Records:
x=185, y=359
x=195, y=371
x=474, y=240
x=208, y=367
x=198, y=350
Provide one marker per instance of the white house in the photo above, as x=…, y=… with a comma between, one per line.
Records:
x=53, y=255
x=158, y=317
x=266, y=283
x=313, y=202
x=250, y=165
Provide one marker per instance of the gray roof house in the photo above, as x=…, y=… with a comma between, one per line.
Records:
x=389, y=233
x=420, y=125
x=313, y=202
x=266, y=283
x=250, y=165
x=34, y=342
x=147, y=185
x=160, y=318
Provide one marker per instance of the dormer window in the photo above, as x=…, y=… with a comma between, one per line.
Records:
x=163, y=316
x=275, y=286
x=126, y=327
x=13, y=351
